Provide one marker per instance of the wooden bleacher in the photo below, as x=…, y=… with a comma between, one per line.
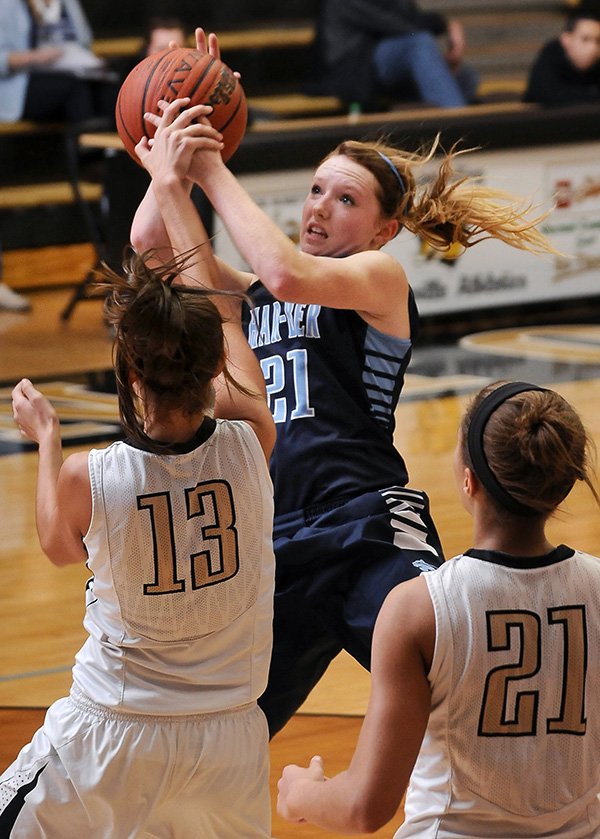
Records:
x=501, y=45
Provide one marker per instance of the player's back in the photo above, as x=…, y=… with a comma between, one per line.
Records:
x=513, y=739
x=179, y=608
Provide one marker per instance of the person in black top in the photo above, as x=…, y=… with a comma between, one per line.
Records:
x=567, y=69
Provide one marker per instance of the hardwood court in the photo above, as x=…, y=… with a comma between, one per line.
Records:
x=42, y=606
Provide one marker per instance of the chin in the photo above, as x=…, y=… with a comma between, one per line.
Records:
x=313, y=248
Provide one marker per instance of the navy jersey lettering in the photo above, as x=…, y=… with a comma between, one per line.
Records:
x=295, y=319
x=333, y=384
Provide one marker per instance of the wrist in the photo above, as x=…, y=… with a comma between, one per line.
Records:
x=50, y=428
x=168, y=185
x=210, y=178
x=48, y=438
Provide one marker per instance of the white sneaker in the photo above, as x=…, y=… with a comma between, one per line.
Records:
x=10, y=301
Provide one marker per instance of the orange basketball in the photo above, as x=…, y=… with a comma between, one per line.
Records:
x=175, y=73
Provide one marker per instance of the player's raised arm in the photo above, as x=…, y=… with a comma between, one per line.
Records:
x=63, y=503
x=168, y=160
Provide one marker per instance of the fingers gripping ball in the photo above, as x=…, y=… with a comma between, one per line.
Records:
x=175, y=73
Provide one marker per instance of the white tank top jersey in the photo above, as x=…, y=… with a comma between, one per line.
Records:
x=180, y=605
x=512, y=747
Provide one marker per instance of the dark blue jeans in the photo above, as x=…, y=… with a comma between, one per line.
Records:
x=414, y=64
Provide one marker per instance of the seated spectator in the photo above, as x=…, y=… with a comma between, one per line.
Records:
x=369, y=49
x=47, y=69
x=567, y=69
x=49, y=73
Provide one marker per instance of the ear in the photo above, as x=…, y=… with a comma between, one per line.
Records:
x=564, y=39
x=471, y=485
x=389, y=228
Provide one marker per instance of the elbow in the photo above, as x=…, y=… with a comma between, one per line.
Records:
x=60, y=554
x=370, y=814
x=56, y=557
x=140, y=238
x=367, y=821
x=283, y=282
x=280, y=285
x=146, y=233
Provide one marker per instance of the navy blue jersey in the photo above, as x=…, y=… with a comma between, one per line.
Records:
x=333, y=383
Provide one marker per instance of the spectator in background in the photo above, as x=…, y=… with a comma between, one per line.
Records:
x=49, y=73
x=367, y=49
x=161, y=31
x=47, y=69
x=567, y=69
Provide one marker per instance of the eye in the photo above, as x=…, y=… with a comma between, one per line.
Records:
x=346, y=199
x=315, y=189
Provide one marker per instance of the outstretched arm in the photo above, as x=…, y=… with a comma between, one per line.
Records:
x=63, y=503
x=148, y=231
x=167, y=161
x=367, y=795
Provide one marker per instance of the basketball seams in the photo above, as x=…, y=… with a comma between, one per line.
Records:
x=232, y=116
x=151, y=76
x=196, y=85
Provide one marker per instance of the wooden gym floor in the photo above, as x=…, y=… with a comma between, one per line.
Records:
x=42, y=606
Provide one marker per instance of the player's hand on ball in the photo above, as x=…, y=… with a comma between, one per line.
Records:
x=209, y=45
x=33, y=413
x=180, y=132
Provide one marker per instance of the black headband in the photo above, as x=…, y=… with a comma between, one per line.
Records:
x=479, y=420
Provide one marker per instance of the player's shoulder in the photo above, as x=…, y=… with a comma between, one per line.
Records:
x=230, y=431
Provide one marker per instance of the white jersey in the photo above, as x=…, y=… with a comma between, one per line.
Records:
x=179, y=608
x=512, y=747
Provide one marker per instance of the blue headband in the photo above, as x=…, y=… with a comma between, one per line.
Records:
x=481, y=467
x=397, y=174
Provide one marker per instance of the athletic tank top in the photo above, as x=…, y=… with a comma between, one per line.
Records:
x=333, y=383
x=179, y=609
x=513, y=739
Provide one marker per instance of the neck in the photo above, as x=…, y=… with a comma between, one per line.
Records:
x=510, y=534
x=173, y=428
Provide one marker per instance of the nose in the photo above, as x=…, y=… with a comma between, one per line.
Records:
x=321, y=206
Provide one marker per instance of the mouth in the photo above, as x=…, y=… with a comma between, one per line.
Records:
x=314, y=230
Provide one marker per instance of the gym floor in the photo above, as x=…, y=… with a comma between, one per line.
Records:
x=42, y=606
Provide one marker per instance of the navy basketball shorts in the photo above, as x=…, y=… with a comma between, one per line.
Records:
x=335, y=565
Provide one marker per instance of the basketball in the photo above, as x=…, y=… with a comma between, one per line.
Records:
x=172, y=74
